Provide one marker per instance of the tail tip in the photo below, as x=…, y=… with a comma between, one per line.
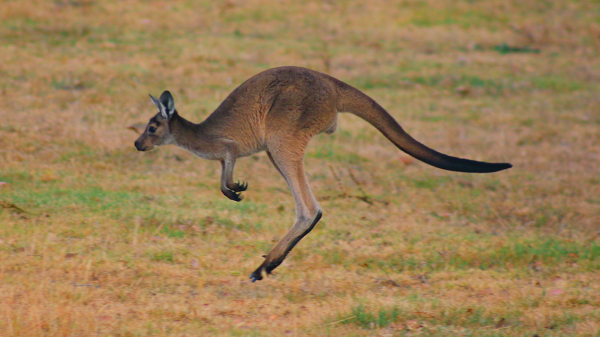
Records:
x=504, y=166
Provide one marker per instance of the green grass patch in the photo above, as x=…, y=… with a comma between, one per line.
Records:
x=506, y=49
x=248, y=207
x=172, y=232
x=52, y=199
x=430, y=183
x=488, y=86
x=337, y=154
x=378, y=81
x=414, y=319
x=557, y=83
x=372, y=319
x=478, y=252
x=423, y=16
x=163, y=256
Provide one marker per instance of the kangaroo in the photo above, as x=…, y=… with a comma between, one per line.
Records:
x=279, y=111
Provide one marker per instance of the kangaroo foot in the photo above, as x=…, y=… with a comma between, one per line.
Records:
x=257, y=275
x=266, y=266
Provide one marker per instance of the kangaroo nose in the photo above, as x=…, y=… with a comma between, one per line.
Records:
x=137, y=145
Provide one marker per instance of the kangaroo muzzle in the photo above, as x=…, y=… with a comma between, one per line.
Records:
x=140, y=147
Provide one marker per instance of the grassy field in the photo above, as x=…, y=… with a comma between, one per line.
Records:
x=98, y=239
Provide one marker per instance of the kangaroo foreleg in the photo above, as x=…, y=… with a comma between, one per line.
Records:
x=230, y=188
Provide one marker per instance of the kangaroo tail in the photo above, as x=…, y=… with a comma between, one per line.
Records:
x=356, y=102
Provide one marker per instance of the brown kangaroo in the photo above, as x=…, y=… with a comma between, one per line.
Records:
x=279, y=111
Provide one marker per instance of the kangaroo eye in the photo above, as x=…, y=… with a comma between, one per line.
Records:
x=152, y=129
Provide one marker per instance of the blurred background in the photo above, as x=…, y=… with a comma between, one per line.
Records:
x=98, y=238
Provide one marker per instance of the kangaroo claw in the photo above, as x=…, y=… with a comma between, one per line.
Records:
x=240, y=186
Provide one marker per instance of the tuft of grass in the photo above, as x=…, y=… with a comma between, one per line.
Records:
x=163, y=256
x=375, y=319
x=506, y=49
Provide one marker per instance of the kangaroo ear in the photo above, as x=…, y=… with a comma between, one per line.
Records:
x=165, y=105
x=167, y=100
x=156, y=102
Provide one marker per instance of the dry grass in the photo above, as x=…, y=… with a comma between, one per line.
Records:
x=97, y=239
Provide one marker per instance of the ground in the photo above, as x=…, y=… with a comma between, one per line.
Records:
x=98, y=239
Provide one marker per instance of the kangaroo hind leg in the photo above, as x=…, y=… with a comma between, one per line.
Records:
x=289, y=162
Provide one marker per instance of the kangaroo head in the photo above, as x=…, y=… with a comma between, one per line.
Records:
x=157, y=131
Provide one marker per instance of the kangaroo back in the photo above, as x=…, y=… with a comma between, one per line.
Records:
x=358, y=103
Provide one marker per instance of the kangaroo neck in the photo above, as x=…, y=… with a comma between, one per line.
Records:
x=190, y=136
